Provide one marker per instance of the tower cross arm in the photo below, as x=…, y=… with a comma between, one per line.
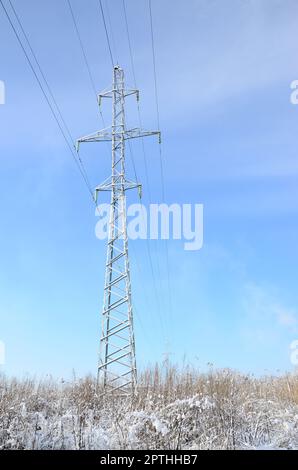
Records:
x=137, y=133
x=109, y=185
x=110, y=94
x=104, y=135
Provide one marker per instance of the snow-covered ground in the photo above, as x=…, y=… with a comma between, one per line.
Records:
x=221, y=410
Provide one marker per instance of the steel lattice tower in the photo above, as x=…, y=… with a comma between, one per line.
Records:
x=117, y=363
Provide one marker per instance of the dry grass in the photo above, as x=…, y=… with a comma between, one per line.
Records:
x=173, y=409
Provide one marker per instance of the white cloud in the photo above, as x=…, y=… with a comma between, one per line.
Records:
x=287, y=318
x=213, y=51
x=262, y=306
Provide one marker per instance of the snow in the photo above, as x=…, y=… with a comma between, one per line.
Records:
x=51, y=416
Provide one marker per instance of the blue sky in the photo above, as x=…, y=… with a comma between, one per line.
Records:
x=229, y=141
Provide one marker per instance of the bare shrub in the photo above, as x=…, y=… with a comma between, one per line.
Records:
x=172, y=409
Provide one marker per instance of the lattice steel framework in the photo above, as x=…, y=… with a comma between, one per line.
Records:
x=117, y=363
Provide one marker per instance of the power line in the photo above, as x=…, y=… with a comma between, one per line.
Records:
x=92, y=81
x=156, y=99
x=129, y=43
x=133, y=161
x=107, y=34
x=160, y=147
x=76, y=158
x=113, y=42
x=82, y=49
x=95, y=91
x=144, y=157
x=145, y=160
x=41, y=71
x=139, y=112
x=138, y=105
x=147, y=302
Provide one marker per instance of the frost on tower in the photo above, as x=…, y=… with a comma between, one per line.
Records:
x=117, y=363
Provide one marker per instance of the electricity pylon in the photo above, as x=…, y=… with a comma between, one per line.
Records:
x=117, y=363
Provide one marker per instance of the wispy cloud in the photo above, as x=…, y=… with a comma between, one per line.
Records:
x=265, y=310
x=228, y=48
